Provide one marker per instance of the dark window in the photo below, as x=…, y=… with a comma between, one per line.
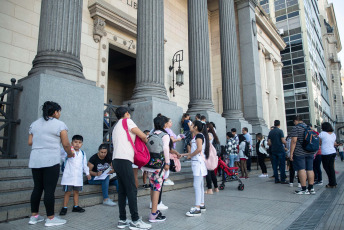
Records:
x=301, y=85
x=303, y=110
x=298, y=60
x=281, y=18
x=299, y=71
x=286, y=62
x=290, y=111
x=296, y=47
x=293, y=14
x=285, y=87
x=295, y=37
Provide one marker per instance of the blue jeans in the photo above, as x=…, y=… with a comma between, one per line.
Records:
x=105, y=185
x=232, y=158
x=341, y=154
x=279, y=160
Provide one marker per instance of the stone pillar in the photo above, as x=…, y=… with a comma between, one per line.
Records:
x=59, y=38
x=270, y=73
x=265, y=91
x=57, y=76
x=150, y=50
x=251, y=83
x=231, y=92
x=199, y=57
x=280, y=96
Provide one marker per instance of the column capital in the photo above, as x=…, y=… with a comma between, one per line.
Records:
x=278, y=64
x=261, y=47
x=270, y=57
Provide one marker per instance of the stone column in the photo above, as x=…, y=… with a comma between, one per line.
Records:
x=57, y=75
x=270, y=73
x=280, y=96
x=150, y=50
x=231, y=92
x=265, y=92
x=251, y=83
x=199, y=59
x=59, y=38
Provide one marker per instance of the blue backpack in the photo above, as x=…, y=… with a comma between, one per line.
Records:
x=311, y=140
x=63, y=165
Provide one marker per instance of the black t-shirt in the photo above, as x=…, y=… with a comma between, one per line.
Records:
x=200, y=136
x=99, y=165
x=275, y=136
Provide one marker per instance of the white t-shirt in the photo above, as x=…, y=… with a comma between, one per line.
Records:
x=341, y=148
x=122, y=148
x=46, y=142
x=327, y=143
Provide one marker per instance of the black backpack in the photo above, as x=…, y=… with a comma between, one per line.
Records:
x=247, y=149
x=217, y=146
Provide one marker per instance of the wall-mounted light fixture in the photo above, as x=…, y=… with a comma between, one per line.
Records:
x=177, y=57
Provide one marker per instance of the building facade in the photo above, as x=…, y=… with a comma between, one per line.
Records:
x=305, y=81
x=333, y=46
x=122, y=50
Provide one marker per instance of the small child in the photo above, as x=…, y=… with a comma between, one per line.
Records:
x=72, y=179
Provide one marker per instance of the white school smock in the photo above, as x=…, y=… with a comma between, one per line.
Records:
x=74, y=168
x=197, y=162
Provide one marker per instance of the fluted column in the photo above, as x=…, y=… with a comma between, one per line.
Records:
x=59, y=38
x=270, y=73
x=150, y=50
x=280, y=95
x=263, y=77
x=199, y=59
x=229, y=61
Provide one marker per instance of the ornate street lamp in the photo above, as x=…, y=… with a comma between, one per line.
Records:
x=177, y=57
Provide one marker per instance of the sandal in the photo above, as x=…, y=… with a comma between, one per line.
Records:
x=209, y=191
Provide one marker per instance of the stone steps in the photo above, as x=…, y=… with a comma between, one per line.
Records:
x=16, y=186
x=17, y=211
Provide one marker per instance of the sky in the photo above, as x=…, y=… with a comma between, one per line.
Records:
x=339, y=11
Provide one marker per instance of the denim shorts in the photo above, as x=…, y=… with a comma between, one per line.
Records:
x=303, y=162
x=69, y=188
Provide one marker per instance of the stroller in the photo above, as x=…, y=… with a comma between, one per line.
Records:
x=232, y=174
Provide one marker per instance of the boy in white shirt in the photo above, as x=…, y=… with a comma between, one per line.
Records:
x=72, y=179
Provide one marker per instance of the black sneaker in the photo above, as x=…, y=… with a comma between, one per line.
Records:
x=63, y=211
x=158, y=217
x=203, y=209
x=78, y=209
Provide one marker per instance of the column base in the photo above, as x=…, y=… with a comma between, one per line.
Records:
x=238, y=124
x=146, y=109
x=82, y=105
x=220, y=123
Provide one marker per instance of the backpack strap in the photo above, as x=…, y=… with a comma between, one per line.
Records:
x=125, y=127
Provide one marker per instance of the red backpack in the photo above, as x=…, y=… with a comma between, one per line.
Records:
x=141, y=156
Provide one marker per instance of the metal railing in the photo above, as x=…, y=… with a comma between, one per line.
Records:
x=110, y=120
x=7, y=121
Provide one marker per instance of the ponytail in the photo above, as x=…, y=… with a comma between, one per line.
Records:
x=49, y=108
x=185, y=115
x=201, y=127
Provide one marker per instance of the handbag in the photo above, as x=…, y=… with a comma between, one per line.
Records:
x=141, y=156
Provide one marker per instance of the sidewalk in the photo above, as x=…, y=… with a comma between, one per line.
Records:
x=262, y=205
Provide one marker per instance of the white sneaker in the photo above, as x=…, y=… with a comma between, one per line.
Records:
x=34, y=220
x=160, y=207
x=263, y=175
x=123, y=223
x=109, y=202
x=54, y=221
x=291, y=184
x=139, y=224
x=168, y=182
x=298, y=185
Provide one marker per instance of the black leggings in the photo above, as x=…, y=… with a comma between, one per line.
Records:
x=328, y=165
x=126, y=188
x=261, y=161
x=211, y=177
x=44, y=179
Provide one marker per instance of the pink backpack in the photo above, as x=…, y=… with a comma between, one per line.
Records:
x=142, y=156
x=213, y=160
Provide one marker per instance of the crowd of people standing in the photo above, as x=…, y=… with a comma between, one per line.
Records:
x=199, y=136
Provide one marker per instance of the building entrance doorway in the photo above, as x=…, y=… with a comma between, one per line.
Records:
x=121, y=75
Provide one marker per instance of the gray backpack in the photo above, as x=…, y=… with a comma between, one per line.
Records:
x=156, y=150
